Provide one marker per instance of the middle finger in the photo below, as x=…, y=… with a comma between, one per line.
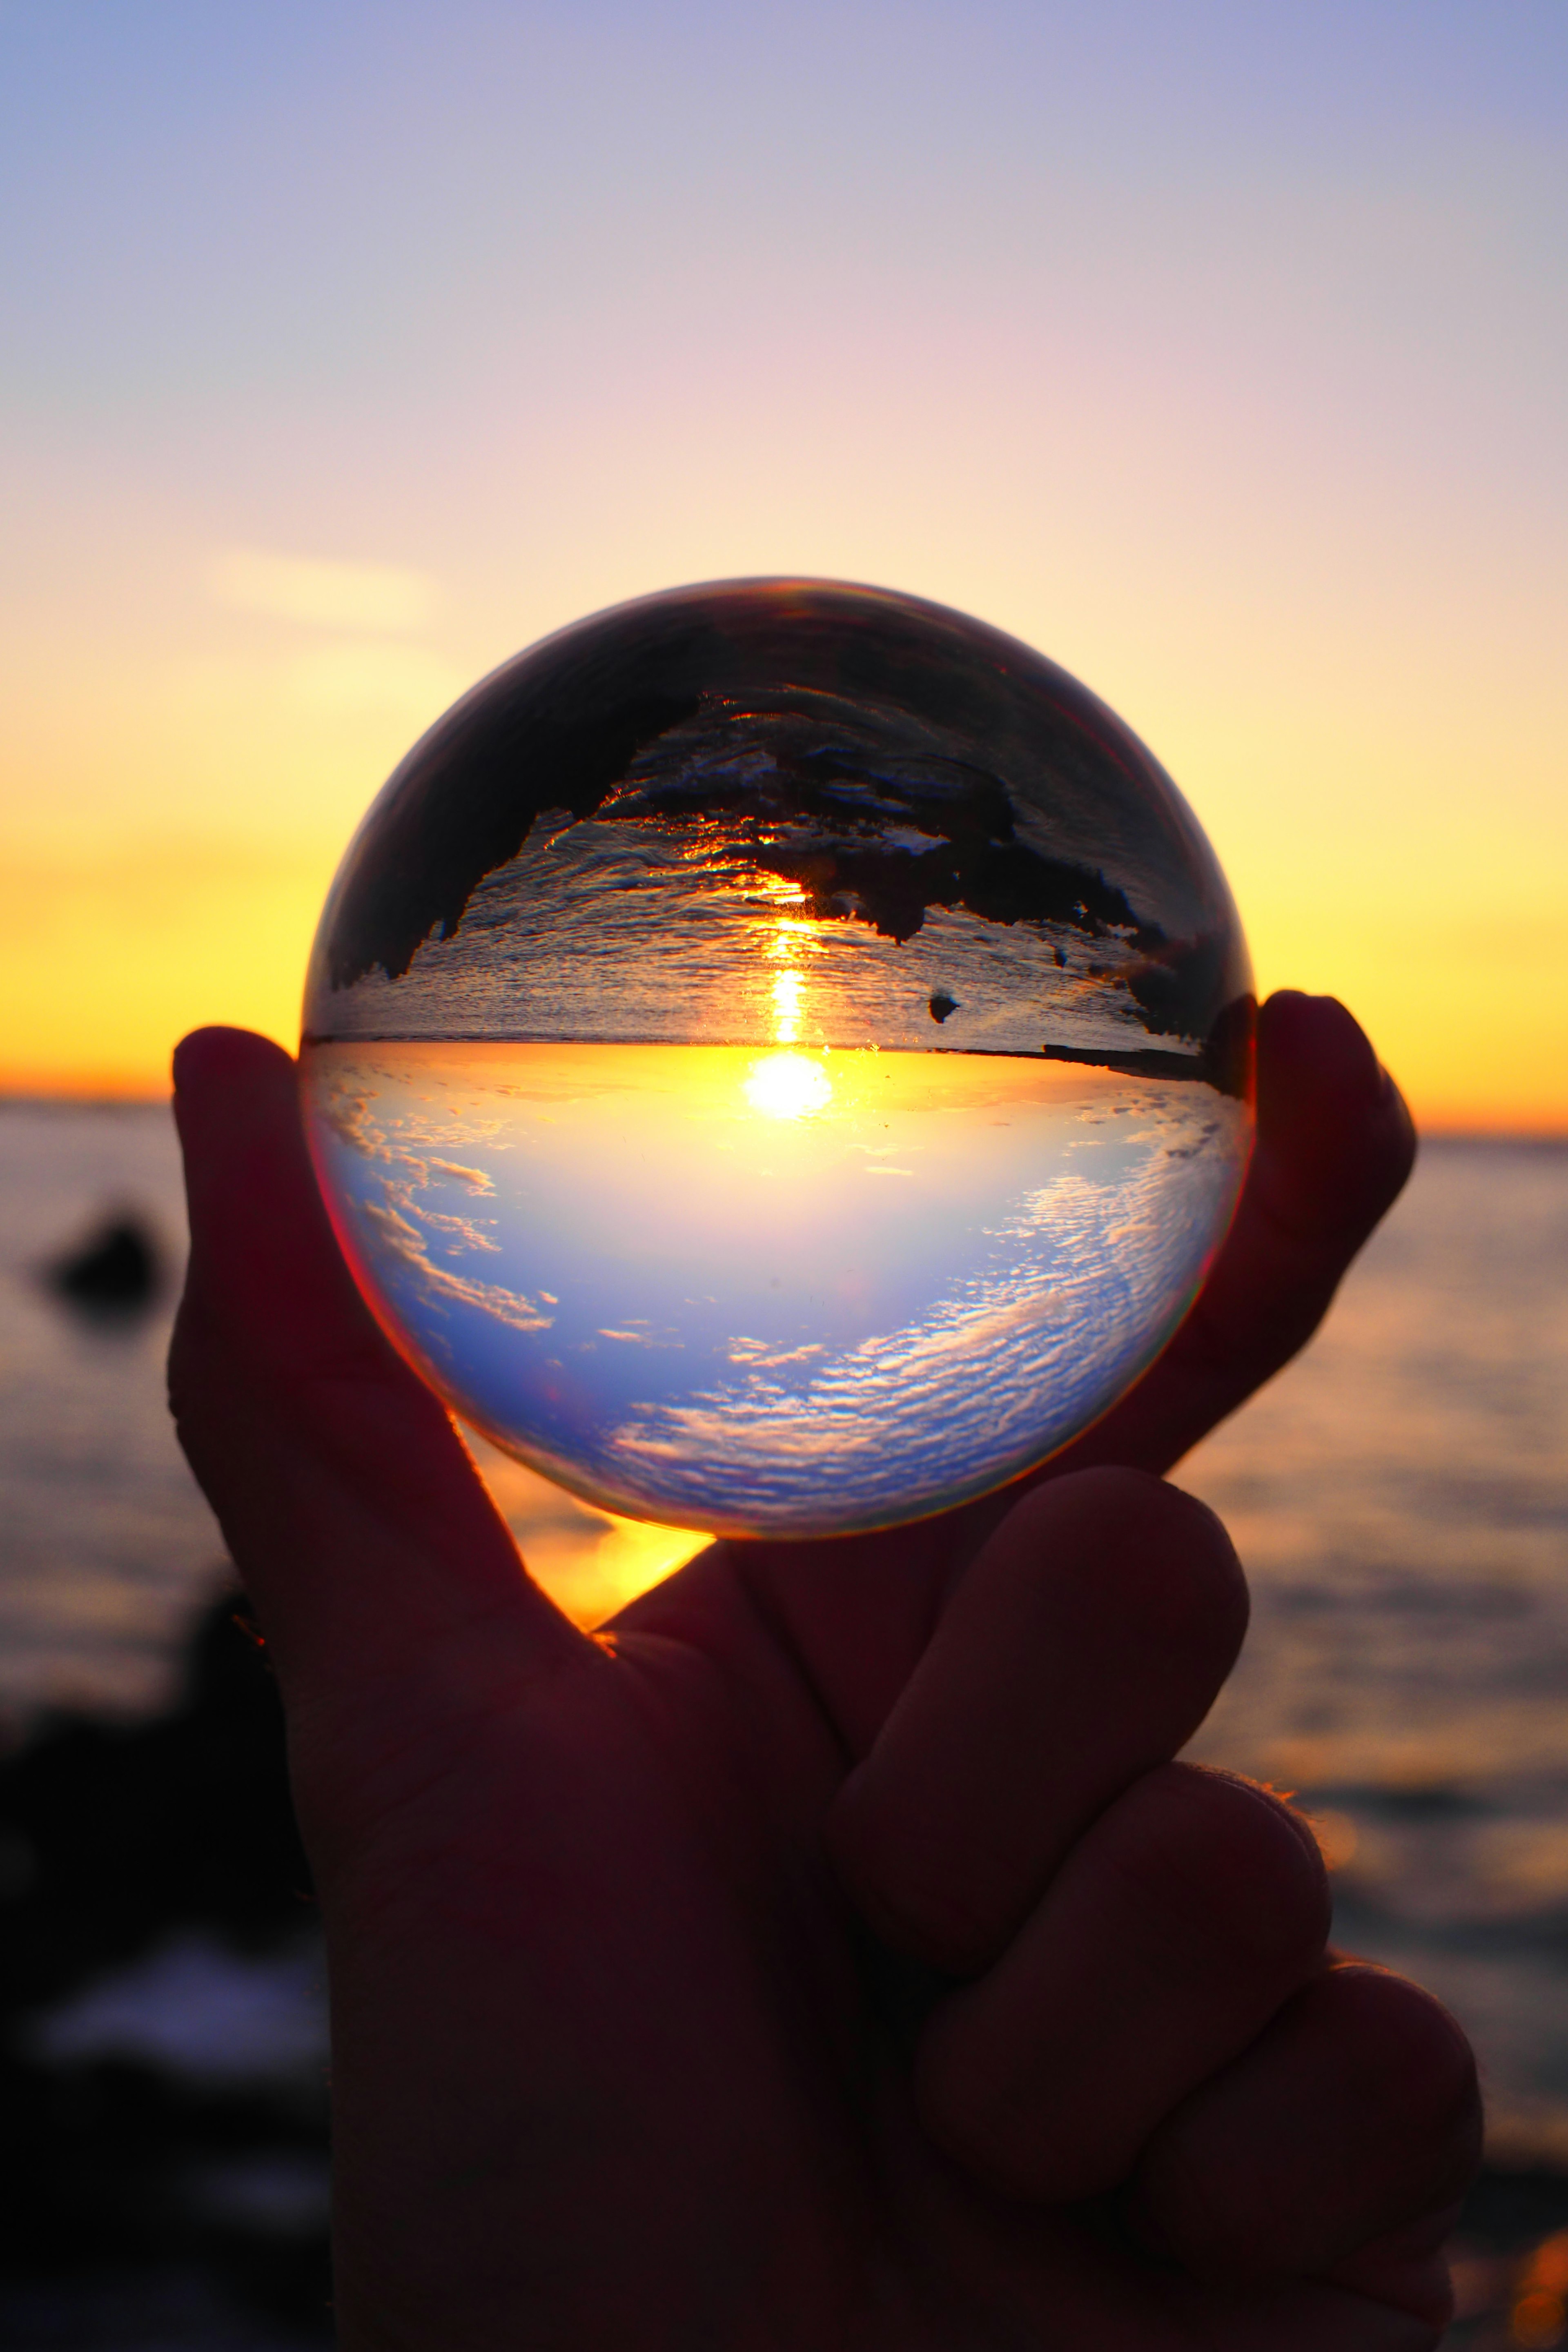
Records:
x=1084, y=1646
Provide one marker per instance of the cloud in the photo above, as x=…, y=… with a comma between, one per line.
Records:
x=462, y=1229
x=474, y=1178
x=397, y=1236
x=1011, y=1360
x=321, y=593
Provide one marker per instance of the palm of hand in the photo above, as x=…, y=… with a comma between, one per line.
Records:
x=640, y=2037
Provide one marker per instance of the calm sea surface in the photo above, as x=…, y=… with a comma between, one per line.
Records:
x=1400, y=1498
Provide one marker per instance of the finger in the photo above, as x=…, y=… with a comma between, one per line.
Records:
x=1191, y=1910
x=349, y=1504
x=1335, y=1145
x=1085, y=1646
x=1322, y=2149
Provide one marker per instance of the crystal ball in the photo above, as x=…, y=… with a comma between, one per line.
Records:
x=778, y=1057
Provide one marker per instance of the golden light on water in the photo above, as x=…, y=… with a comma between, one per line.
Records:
x=787, y=1086
x=786, y=1007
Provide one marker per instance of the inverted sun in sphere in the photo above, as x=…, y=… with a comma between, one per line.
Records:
x=778, y=1059
x=787, y=1086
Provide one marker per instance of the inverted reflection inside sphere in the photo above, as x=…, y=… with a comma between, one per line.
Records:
x=778, y=1057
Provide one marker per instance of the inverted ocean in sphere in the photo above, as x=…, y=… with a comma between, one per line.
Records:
x=778, y=1057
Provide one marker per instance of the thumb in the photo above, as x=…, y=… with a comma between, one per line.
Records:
x=363, y=1533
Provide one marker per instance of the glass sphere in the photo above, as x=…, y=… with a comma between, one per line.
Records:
x=777, y=1056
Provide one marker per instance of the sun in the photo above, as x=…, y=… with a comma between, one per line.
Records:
x=787, y=1086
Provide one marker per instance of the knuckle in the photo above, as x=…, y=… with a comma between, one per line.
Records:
x=1165, y=1578
x=1138, y=1503
x=988, y=2117
x=1413, y=2056
x=1217, y=1859
x=1173, y=1551
x=914, y=1898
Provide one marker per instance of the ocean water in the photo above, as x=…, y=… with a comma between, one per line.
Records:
x=1400, y=1498
x=680, y=1279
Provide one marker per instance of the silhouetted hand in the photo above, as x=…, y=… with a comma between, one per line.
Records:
x=830, y=1958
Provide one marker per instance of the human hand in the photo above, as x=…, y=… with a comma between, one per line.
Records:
x=830, y=1956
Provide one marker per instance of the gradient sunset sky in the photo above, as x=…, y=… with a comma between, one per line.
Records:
x=1218, y=350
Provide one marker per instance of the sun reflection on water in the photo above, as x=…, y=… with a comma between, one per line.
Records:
x=786, y=1007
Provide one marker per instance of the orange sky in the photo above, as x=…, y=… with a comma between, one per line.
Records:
x=1229, y=373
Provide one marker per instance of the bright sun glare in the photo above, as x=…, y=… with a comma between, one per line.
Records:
x=787, y=1086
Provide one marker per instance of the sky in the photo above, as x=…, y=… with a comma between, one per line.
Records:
x=1215, y=350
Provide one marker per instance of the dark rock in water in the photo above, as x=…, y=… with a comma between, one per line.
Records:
x=183, y=1821
x=942, y=1005
x=1510, y=2209
x=116, y=1269
x=1508, y=2257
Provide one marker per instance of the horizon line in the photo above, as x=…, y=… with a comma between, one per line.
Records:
x=103, y=1096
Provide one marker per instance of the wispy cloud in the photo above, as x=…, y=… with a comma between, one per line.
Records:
x=322, y=593
x=397, y=1235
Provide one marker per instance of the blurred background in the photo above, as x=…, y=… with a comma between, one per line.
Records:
x=1216, y=350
